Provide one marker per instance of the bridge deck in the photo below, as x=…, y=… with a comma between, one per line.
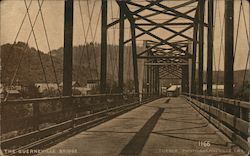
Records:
x=157, y=128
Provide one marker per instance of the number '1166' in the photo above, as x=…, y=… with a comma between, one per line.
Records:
x=204, y=143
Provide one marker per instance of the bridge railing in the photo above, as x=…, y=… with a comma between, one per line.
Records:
x=33, y=120
x=33, y=113
x=228, y=115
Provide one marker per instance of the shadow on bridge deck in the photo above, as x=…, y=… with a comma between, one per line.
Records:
x=157, y=128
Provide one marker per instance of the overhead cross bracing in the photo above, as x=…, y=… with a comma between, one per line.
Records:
x=167, y=28
x=167, y=25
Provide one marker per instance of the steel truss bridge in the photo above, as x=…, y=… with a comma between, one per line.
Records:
x=173, y=49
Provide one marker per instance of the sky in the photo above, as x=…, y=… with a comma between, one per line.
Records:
x=13, y=11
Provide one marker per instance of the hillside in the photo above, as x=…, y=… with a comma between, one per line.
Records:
x=86, y=63
x=218, y=76
x=30, y=68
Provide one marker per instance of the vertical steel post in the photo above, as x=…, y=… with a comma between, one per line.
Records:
x=134, y=53
x=103, y=79
x=201, y=46
x=148, y=81
x=157, y=79
x=68, y=43
x=154, y=88
x=184, y=80
x=229, y=50
x=193, y=75
x=151, y=80
x=210, y=46
x=121, y=53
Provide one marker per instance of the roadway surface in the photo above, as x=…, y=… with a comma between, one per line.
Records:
x=158, y=128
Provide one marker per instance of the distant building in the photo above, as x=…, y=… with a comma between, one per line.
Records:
x=74, y=84
x=173, y=90
x=163, y=90
x=14, y=87
x=77, y=86
x=44, y=86
x=83, y=90
x=216, y=89
x=1, y=91
x=92, y=84
x=12, y=94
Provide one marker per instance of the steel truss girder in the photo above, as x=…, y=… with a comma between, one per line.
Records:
x=163, y=23
x=162, y=40
x=168, y=24
x=165, y=64
x=164, y=27
x=165, y=40
x=172, y=68
x=166, y=70
x=178, y=14
x=157, y=13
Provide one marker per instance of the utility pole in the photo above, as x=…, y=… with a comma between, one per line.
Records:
x=229, y=43
x=103, y=79
x=68, y=43
x=210, y=47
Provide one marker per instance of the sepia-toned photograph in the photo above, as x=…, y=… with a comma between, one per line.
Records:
x=124, y=77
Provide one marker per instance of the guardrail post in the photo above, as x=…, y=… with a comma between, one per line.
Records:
x=36, y=114
x=74, y=103
x=244, y=114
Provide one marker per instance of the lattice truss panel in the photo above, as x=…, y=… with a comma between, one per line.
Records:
x=166, y=25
